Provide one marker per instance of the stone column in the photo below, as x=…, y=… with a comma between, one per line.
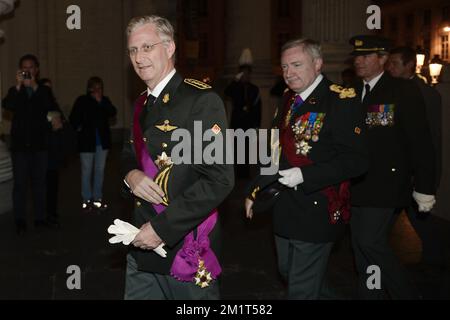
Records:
x=248, y=25
x=333, y=23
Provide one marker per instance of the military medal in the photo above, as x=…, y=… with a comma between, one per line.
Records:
x=380, y=115
x=305, y=129
x=303, y=148
x=203, y=278
x=163, y=161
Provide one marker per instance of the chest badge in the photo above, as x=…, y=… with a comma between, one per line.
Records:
x=166, y=127
x=166, y=98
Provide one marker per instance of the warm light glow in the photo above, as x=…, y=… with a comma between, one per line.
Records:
x=420, y=59
x=447, y=29
x=435, y=69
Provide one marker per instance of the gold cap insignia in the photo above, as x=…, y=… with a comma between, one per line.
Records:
x=357, y=130
x=358, y=43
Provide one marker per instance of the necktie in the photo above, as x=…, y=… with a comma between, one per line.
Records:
x=297, y=103
x=150, y=101
x=367, y=87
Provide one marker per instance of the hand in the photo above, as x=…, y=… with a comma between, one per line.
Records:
x=56, y=123
x=249, y=208
x=144, y=187
x=19, y=79
x=239, y=76
x=147, y=239
x=424, y=201
x=291, y=177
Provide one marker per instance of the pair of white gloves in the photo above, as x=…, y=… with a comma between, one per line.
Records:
x=293, y=177
x=125, y=232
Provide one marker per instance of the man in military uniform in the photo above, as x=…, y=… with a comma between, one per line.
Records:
x=401, y=166
x=402, y=64
x=322, y=146
x=175, y=203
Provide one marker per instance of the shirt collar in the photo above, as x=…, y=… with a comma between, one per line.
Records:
x=160, y=86
x=374, y=81
x=305, y=94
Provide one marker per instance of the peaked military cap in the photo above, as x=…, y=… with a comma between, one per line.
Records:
x=367, y=44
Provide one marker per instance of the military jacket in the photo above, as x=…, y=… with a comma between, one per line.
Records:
x=193, y=190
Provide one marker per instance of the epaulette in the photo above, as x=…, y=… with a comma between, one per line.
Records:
x=343, y=92
x=197, y=83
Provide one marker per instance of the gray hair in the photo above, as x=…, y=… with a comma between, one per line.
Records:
x=310, y=46
x=163, y=26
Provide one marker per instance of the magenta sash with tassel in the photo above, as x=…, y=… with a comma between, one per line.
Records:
x=186, y=262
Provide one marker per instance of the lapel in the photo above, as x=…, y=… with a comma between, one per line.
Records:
x=316, y=100
x=376, y=93
x=162, y=104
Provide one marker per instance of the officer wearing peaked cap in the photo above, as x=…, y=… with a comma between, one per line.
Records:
x=401, y=165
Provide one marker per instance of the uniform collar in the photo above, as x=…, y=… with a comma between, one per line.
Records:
x=160, y=86
x=305, y=94
x=372, y=83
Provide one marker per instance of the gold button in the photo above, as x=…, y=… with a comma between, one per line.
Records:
x=144, y=139
x=131, y=141
x=393, y=169
x=316, y=203
x=138, y=203
x=164, y=145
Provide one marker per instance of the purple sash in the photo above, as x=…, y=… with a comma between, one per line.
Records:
x=186, y=262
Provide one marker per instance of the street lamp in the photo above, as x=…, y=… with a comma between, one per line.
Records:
x=435, y=68
x=420, y=59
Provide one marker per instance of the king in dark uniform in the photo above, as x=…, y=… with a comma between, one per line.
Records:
x=322, y=141
x=175, y=204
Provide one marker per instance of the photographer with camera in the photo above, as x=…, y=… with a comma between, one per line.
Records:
x=30, y=104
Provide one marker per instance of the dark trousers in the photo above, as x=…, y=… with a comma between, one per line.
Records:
x=52, y=194
x=303, y=265
x=29, y=166
x=140, y=285
x=370, y=230
x=432, y=249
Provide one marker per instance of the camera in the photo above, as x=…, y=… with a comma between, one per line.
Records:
x=26, y=75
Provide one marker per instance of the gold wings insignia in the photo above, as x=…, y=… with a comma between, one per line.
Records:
x=166, y=127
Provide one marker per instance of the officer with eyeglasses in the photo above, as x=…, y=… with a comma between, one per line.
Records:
x=175, y=204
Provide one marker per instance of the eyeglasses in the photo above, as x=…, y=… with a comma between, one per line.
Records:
x=146, y=48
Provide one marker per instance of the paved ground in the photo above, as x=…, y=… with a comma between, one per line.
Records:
x=34, y=266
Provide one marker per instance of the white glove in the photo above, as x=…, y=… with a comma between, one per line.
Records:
x=125, y=233
x=291, y=177
x=239, y=76
x=424, y=201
